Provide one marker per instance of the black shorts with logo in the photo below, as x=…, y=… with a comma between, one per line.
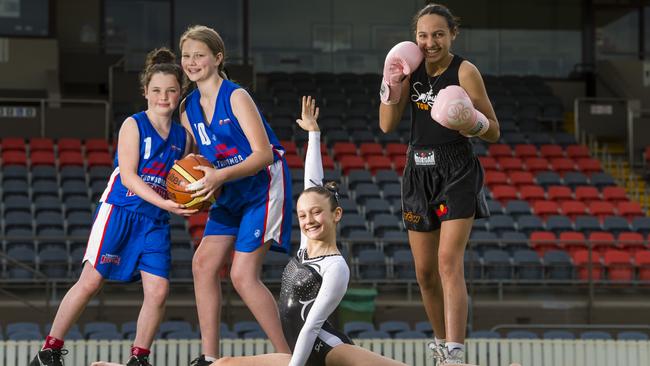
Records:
x=442, y=183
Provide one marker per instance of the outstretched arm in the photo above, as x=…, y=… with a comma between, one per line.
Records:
x=313, y=159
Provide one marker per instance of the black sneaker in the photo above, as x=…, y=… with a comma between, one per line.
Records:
x=49, y=357
x=138, y=361
x=199, y=361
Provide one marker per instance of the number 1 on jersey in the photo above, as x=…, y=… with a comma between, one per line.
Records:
x=205, y=139
x=147, y=148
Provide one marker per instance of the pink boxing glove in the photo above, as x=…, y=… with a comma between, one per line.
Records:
x=400, y=61
x=453, y=109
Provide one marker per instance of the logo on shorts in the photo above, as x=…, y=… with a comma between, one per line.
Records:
x=424, y=158
x=110, y=258
x=318, y=346
x=442, y=210
x=258, y=232
x=411, y=217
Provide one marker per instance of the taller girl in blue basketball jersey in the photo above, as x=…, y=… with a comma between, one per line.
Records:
x=253, y=211
x=130, y=236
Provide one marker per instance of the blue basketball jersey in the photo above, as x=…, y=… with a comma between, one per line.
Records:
x=222, y=141
x=157, y=156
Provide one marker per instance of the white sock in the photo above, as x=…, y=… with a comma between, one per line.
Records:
x=209, y=358
x=439, y=341
x=453, y=345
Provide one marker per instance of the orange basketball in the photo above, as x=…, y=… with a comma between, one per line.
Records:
x=182, y=174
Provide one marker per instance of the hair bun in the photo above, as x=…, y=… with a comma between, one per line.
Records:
x=161, y=55
x=332, y=187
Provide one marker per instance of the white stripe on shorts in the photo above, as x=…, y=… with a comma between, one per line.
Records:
x=97, y=233
x=109, y=186
x=330, y=339
x=275, y=203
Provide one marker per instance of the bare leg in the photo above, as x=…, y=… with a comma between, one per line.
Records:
x=245, y=276
x=155, y=290
x=271, y=359
x=350, y=355
x=454, y=235
x=75, y=300
x=424, y=246
x=208, y=260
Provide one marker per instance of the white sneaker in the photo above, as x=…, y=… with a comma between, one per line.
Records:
x=439, y=351
x=453, y=357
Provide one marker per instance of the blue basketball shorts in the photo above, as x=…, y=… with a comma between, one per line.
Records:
x=122, y=243
x=255, y=210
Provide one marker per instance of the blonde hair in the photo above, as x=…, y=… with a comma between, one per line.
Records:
x=210, y=38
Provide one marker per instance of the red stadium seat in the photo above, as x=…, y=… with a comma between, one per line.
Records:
x=521, y=178
x=493, y=177
x=535, y=165
x=619, y=266
x=587, y=194
x=41, y=144
x=42, y=158
x=97, y=145
x=367, y=149
x=572, y=241
x=71, y=158
x=581, y=262
x=642, y=260
x=573, y=209
x=12, y=144
x=328, y=162
x=504, y=193
x=559, y=193
x=294, y=161
x=508, y=164
x=551, y=151
x=589, y=165
x=601, y=241
x=378, y=162
x=630, y=209
x=14, y=157
x=544, y=209
x=349, y=162
x=543, y=241
x=500, y=150
x=577, y=151
x=341, y=149
x=289, y=147
x=601, y=209
x=615, y=194
x=532, y=193
x=399, y=162
x=562, y=165
x=68, y=143
x=396, y=149
x=99, y=159
x=488, y=163
x=631, y=242
x=526, y=151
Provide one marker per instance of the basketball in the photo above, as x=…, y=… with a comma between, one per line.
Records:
x=182, y=174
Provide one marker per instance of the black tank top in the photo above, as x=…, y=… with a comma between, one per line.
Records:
x=423, y=91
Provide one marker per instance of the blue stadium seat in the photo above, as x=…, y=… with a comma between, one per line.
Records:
x=99, y=327
x=517, y=208
x=243, y=327
x=483, y=240
x=547, y=179
x=495, y=207
x=48, y=204
x=632, y=336
x=499, y=223
x=496, y=265
x=376, y=206
x=273, y=265
x=373, y=334
x=473, y=265
x=403, y=265
x=351, y=222
x=521, y=334
x=20, y=204
x=529, y=223
x=596, y=334
x=353, y=328
x=602, y=179
x=53, y=262
x=183, y=334
x=488, y=334
x=641, y=225
x=527, y=265
x=181, y=263
x=356, y=177
x=587, y=224
x=558, y=224
x=514, y=240
x=558, y=265
x=424, y=327
x=174, y=326
x=25, y=336
x=574, y=179
x=22, y=327
x=384, y=177
x=105, y=335
x=366, y=191
x=410, y=334
x=394, y=241
x=384, y=223
x=615, y=224
x=371, y=265
x=393, y=326
x=558, y=334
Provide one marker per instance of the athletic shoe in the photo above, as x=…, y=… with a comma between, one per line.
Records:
x=49, y=357
x=138, y=361
x=453, y=357
x=438, y=351
x=200, y=361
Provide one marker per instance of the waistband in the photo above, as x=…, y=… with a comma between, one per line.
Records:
x=446, y=151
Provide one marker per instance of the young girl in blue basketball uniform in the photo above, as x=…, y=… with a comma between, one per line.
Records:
x=130, y=237
x=253, y=210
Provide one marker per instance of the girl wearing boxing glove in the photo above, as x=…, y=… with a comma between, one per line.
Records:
x=441, y=190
